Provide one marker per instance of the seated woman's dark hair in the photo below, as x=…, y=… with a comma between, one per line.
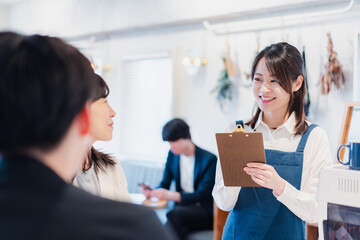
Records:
x=175, y=129
x=99, y=159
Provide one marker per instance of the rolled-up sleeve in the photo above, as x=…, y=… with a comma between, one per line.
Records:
x=224, y=197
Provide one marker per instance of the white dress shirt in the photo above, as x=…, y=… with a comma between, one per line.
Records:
x=316, y=156
x=187, y=164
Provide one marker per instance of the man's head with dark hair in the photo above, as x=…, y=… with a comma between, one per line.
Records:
x=44, y=84
x=177, y=133
x=175, y=129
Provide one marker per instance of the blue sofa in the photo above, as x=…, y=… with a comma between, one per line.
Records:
x=151, y=173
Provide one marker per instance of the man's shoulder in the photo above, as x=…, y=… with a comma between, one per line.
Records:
x=65, y=211
x=206, y=154
x=82, y=199
x=100, y=215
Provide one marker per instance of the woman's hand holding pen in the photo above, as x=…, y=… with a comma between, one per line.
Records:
x=266, y=176
x=147, y=193
x=146, y=190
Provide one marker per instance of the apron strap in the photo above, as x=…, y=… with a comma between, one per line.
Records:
x=241, y=122
x=304, y=138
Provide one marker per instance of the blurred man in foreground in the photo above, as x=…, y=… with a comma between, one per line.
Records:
x=45, y=89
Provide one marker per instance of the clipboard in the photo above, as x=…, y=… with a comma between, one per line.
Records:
x=235, y=151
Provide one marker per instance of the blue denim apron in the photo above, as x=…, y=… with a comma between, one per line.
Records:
x=258, y=214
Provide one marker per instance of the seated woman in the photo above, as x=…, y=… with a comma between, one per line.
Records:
x=101, y=174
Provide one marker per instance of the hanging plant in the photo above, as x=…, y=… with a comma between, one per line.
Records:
x=307, y=96
x=333, y=70
x=246, y=80
x=224, y=87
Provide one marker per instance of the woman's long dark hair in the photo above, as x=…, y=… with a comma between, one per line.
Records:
x=99, y=159
x=285, y=63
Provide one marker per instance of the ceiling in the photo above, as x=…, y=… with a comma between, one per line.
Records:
x=9, y=2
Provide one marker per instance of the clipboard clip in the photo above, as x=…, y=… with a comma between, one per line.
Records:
x=239, y=128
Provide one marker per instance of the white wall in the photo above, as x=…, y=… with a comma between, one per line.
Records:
x=4, y=17
x=192, y=98
x=76, y=17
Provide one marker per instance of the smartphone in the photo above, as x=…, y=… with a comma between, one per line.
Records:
x=145, y=186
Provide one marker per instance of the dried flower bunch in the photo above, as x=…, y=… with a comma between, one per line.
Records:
x=334, y=73
x=224, y=85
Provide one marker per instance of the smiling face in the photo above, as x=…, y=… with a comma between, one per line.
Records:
x=101, y=123
x=270, y=96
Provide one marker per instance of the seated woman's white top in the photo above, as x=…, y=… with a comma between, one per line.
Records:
x=112, y=183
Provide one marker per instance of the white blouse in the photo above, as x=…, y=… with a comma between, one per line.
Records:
x=316, y=156
x=88, y=181
x=112, y=183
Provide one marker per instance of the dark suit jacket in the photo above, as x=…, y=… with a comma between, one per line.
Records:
x=204, y=178
x=35, y=203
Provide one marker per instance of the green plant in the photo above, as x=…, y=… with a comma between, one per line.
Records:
x=223, y=88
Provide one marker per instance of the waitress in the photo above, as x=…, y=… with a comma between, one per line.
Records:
x=295, y=151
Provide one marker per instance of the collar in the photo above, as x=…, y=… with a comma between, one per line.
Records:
x=259, y=121
x=22, y=166
x=289, y=124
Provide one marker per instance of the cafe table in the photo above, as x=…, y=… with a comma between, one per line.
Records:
x=154, y=203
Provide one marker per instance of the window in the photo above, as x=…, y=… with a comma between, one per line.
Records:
x=146, y=101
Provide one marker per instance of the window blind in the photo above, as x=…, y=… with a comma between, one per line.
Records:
x=146, y=102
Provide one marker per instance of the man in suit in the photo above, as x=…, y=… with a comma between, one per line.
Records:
x=193, y=170
x=45, y=90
